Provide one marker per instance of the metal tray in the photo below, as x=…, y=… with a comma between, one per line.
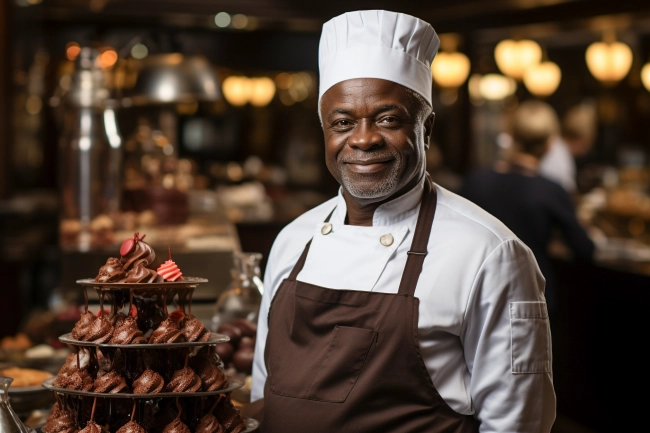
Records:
x=251, y=426
x=187, y=283
x=234, y=384
x=214, y=339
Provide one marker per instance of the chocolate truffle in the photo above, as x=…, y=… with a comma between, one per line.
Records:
x=60, y=421
x=128, y=333
x=184, y=380
x=209, y=424
x=110, y=383
x=131, y=427
x=195, y=330
x=111, y=272
x=176, y=426
x=149, y=382
x=100, y=331
x=167, y=332
x=82, y=327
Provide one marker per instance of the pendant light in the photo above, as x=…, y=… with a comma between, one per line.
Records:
x=450, y=68
x=609, y=61
x=645, y=76
x=514, y=57
x=543, y=79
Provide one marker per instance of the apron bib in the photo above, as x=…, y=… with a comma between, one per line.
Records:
x=349, y=361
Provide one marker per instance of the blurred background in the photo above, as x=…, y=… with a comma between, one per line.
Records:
x=195, y=122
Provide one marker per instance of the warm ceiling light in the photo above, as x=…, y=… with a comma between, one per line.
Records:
x=72, y=50
x=543, y=79
x=645, y=76
x=262, y=91
x=237, y=90
x=107, y=59
x=609, y=62
x=495, y=87
x=514, y=57
x=450, y=70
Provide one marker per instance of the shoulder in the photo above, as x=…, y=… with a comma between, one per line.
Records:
x=467, y=221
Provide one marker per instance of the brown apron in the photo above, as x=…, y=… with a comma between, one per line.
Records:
x=349, y=361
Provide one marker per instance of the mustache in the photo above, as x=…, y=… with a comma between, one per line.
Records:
x=361, y=156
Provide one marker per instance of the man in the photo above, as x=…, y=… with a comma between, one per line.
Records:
x=396, y=306
x=578, y=134
x=528, y=204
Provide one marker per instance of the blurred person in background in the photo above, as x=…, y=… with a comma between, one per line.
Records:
x=527, y=203
x=577, y=137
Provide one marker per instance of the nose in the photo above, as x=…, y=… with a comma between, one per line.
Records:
x=364, y=137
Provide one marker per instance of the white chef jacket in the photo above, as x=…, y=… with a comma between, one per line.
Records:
x=483, y=327
x=559, y=165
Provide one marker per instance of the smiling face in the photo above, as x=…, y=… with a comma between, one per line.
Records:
x=376, y=133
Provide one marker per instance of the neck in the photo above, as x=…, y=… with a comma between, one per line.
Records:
x=526, y=161
x=362, y=211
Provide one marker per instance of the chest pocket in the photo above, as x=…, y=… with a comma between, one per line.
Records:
x=328, y=378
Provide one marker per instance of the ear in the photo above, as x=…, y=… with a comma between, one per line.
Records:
x=428, y=129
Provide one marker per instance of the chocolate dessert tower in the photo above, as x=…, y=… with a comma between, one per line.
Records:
x=138, y=368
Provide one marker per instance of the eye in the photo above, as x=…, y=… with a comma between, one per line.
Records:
x=342, y=123
x=389, y=121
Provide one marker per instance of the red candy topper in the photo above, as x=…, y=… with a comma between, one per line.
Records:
x=129, y=244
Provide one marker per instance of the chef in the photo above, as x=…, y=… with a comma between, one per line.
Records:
x=396, y=306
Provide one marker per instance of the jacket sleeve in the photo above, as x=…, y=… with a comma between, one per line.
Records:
x=507, y=344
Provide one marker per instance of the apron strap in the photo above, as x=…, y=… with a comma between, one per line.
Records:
x=418, y=250
x=301, y=261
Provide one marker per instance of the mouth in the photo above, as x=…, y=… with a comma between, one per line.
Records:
x=366, y=166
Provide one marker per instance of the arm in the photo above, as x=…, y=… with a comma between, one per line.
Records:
x=564, y=215
x=506, y=340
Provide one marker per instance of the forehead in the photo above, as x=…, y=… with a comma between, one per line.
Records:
x=362, y=94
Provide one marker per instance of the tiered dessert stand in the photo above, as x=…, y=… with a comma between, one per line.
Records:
x=152, y=411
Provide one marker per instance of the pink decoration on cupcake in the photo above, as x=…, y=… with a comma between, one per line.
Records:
x=169, y=270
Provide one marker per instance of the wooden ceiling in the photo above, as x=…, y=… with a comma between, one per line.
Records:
x=308, y=15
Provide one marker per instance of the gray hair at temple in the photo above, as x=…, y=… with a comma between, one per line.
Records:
x=534, y=124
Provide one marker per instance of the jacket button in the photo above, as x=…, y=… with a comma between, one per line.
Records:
x=387, y=240
x=326, y=229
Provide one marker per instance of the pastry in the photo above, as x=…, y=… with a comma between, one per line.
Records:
x=167, y=332
x=195, y=330
x=184, y=380
x=149, y=382
x=136, y=251
x=93, y=427
x=79, y=380
x=209, y=424
x=140, y=274
x=176, y=426
x=170, y=271
x=212, y=377
x=100, y=331
x=131, y=427
x=128, y=333
x=25, y=376
x=110, y=383
x=111, y=272
x=60, y=421
x=82, y=326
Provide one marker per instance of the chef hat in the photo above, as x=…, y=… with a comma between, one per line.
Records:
x=378, y=44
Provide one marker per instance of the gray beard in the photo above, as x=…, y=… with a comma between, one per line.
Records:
x=377, y=190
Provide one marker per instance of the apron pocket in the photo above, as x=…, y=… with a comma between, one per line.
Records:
x=530, y=338
x=342, y=364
